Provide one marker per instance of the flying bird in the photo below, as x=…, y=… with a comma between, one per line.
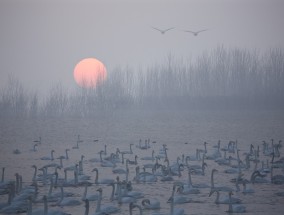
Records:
x=163, y=31
x=195, y=33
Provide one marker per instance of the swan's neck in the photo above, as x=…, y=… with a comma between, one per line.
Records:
x=17, y=183
x=65, y=176
x=217, y=197
x=172, y=206
x=112, y=192
x=66, y=152
x=85, y=192
x=45, y=210
x=189, y=179
x=130, y=146
x=230, y=203
x=87, y=208
x=97, y=176
x=3, y=172
x=30, y=208
x=50, y=187
x=75, y=177
x=62, y=194
x=52, y=155
x=99, y=202
x=212, y=179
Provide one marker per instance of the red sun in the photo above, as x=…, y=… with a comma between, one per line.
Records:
x=89, y=72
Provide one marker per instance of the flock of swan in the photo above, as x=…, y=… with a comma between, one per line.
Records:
x=195, y=33
x=128, y=169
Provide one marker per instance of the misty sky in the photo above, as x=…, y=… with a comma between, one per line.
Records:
x=42, y=41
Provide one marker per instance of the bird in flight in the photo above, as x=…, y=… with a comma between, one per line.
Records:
x=195, y=33
x=163, y=31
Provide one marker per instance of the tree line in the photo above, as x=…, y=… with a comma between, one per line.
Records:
x=223, y=77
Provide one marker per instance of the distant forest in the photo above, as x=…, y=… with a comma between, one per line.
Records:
x=224, y=78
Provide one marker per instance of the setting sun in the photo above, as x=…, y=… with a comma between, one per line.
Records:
x=89, y=72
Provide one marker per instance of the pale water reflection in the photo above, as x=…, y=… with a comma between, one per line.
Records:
x=182, y=131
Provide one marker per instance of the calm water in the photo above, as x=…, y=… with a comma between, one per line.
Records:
x=118, y=130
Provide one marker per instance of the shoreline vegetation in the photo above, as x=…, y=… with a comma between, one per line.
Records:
x=223, y=78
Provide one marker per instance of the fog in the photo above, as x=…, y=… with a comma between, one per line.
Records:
x=240, y=55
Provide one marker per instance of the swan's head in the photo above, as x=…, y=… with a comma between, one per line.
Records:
x=213, y=191
x=214, y=170
x=95, y=170
x=146, y=202
x=86, y=203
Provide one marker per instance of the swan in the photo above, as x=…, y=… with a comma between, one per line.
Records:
x=14, y=206
x=218, y=188
x=178, y=199
x=93, y=197
x=152, y=158
x=67, y=201
x=130, y=150
x=175, y=211
x=122, y=198
x=235, y=208
x=144, y=176
x=187, y=188
x=38, y=141
x=152, y=204
x=106, y=209
x=276, y=179
x=49, y=158
x=164, y=30
x=224, y=200
x=97, y=159
x=195, y=33
x=257, y=177
x=34, y=148
x=132, y=162
x=120, y=170
x=247, y=189
x=102, y=181
x=132, y=206
x=66, y=155
x=43, y=211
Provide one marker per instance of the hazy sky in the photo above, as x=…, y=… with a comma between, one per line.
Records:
x=41, y=41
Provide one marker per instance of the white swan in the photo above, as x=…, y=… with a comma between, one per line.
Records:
x=276, y=179
x=178, y=199
x=38, y=141
x=151, y=158
x=44, y=211
x=235, y=208
x=67, y=201
x=163, y=31
x=130, y=150
x=102, y=181
x=151, y=204
x=48, y=158
x=34, y=148
x=131, y=162
x=106, y=209
x=224, y=200
x=93, y=197
x=195, y=33
x=132, y=206
x=223, y=188
x=124, y=199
